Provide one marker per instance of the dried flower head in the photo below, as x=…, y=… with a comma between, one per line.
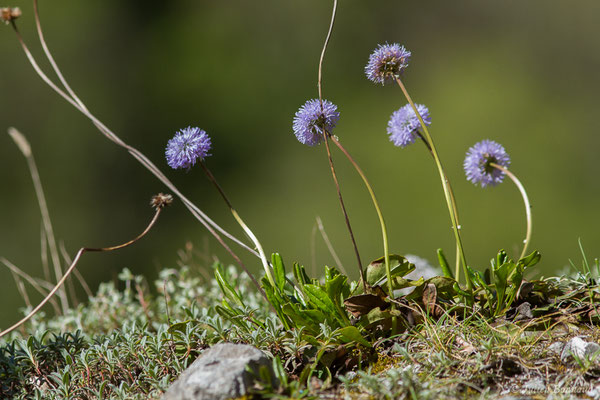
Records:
x=8, y=14
x=387, y=62
x=311, y=119
x=478, y=163
x=404, y=124
x=161, y=200
x=186, y=147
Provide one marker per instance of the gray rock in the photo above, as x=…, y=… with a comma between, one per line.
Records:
x=579, y=348
x=556, y=348
x=219, y=373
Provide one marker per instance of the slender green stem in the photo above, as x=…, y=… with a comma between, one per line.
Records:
x=454, y=207
x=519, y=185
x=445, y=184
x=241, y=222
x=386, y=251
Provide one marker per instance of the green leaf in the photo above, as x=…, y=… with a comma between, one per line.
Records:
x=279, y=270
x=301, y=320
x=351, y=334
x=227, y=289
x=300, y=274
x=275, y=301
x=334, y=288
x=501, y=258
x=331, y=272
x=179, y=327
x=319, y=298
x=401, y=283
x=444, y=264
x=444, y=287
x=477, y=278
x=530, y=260
x=399, y=266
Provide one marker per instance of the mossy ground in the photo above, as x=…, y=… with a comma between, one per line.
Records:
x=132, y=339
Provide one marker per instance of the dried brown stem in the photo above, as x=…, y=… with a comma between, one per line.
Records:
x=72, y=267
x=76, y=272
x=78, y=104
x=25, y=148
x=40, y=287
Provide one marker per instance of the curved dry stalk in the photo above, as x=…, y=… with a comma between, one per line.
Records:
x=25, y=148
x=78, y=104
x=74, y=264
x=21, y=288
x=319, y=80
x=38, y=286
x=80, y=278
x=44, y=253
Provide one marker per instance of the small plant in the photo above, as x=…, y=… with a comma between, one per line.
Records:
x=318, y=331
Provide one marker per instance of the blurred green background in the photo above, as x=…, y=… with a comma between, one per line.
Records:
x=521, y=73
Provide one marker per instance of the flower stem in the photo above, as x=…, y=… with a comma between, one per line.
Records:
x=325, y=137
x=241, y=222
x=386, y=251
x=521, y=188
x=347, y=219
x=445, y=185
x=454, y=207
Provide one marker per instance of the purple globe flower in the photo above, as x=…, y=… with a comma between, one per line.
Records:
x=310, y=120
x=387, y=62
x=187, y=146
x=478, y=160
x=404, y=124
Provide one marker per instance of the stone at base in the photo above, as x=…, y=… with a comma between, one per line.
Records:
x=219, y=373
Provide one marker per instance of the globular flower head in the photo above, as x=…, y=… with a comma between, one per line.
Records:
x=478, y=163
x=311, y=119
x=387, y=62
x=404, y=124
x=186, y=147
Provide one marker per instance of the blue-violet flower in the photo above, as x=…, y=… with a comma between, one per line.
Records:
x=404, y=124
x=187, y=146
x=387, y=62
x=310, y=120
x=478, y=160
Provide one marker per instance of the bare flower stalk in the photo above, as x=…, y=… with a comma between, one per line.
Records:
x=326, y=139
x=25, y=148
x=159, y=208
x=521, y=188
x=210, y=225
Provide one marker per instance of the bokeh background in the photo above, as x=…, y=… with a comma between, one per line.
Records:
x=521, y=73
